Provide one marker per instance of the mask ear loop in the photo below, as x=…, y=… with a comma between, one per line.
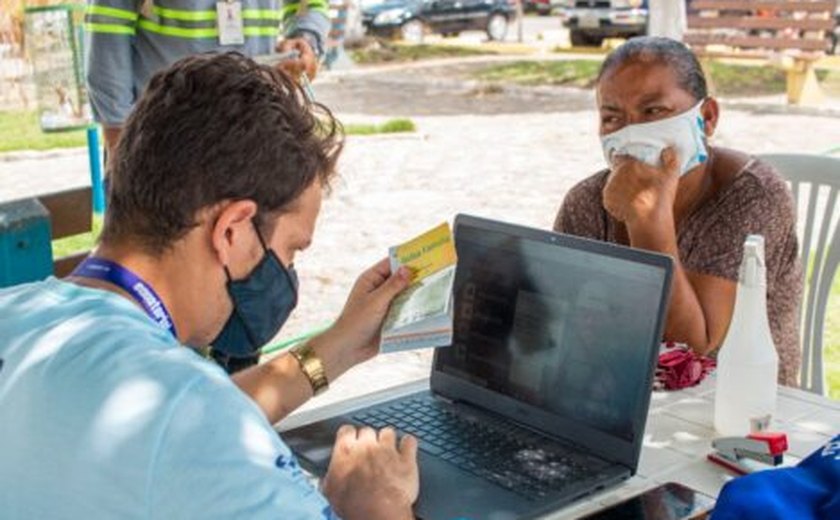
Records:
x=259, y=236
x=269, y=251
x=700, y=106
x=283, y=266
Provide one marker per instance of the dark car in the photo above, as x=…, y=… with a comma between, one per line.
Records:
x=591, y=21
x=541, y=7
x=411, y=19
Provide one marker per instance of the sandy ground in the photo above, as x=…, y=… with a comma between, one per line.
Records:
x=508, y=155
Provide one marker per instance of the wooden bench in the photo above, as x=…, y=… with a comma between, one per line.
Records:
x=27, y=228
x=70, y=215
x=789, y=34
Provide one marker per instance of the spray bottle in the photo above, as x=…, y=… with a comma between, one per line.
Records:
x=748, y=364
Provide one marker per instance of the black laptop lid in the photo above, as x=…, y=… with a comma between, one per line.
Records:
x=556, y=332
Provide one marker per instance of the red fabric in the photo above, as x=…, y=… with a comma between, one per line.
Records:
x=679, y=367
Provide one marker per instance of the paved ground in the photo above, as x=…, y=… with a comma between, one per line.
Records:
x=510, y=155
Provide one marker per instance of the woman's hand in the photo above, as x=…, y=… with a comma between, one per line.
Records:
x=639, y=193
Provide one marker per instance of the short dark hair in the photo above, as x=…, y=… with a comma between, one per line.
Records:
x=670, y=52
x=210, y=128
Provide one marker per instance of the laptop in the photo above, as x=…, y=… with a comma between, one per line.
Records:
x=542, y=397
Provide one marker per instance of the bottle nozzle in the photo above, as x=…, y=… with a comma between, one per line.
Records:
x=752, y=265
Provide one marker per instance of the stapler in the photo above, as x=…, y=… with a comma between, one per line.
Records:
x=755, y=452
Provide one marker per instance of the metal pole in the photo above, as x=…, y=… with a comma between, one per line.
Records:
x=520, y=13
x=95, y=170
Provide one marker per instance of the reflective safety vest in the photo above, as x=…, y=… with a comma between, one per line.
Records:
x=129, y=40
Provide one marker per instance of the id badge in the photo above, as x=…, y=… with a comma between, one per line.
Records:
x=229, y=15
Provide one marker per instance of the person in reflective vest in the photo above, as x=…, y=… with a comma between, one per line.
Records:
x=127, y=41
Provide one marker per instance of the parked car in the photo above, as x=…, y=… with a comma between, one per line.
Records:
x=412, y=19
x=591, y=21
x=542, y=7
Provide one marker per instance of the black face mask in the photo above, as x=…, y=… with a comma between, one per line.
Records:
x=262, y=302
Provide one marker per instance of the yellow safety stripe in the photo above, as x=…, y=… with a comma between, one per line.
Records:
x=262, y=31
x=262, y=14
x=210, y=15
x=310, y=3
x=290, y=11
x=108, y=28
x=113, y=12
x=320, y=6
x=180, y=32
x=183, y=14
x=193, y=33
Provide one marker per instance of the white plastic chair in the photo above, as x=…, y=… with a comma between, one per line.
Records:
x=816, y=180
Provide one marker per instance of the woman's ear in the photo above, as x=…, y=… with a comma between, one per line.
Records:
x=711, y=112
x=232, y=233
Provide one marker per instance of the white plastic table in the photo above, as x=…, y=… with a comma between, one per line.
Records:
x=677, y=439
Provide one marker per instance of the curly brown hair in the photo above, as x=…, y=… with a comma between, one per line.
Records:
x=211, y=128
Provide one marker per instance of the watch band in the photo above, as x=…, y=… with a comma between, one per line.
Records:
x=312, y=367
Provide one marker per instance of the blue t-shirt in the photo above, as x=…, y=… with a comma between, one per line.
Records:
x=808, y=491
x=105, y=415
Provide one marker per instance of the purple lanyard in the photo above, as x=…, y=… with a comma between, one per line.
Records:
x=112, y=272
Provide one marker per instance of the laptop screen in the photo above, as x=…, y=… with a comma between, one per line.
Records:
x=562, y=328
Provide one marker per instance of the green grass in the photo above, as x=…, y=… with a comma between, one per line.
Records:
x=831, y=353
x=391, y=126
x=77, y=243
x=740, y=80
x=576, y=73
x=726, y=79
x=830, y=81
x=19, y=130
x=385, y=52
x=744, y=80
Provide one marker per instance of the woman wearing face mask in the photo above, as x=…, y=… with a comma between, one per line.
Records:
x=667, y=190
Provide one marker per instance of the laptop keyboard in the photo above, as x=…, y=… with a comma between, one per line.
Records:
x=501, y=452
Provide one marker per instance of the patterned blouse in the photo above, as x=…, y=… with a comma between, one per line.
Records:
x=711, y=242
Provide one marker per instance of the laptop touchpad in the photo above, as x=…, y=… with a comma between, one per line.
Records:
x=447, y=494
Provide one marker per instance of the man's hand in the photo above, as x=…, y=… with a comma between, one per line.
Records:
x=371, y=476
x=358, y=327
x=637, y=192
x=279, y=385
x=306, y=61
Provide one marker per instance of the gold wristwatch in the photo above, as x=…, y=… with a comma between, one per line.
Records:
x=312, y=367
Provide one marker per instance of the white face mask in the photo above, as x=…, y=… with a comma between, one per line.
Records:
x=645, y=141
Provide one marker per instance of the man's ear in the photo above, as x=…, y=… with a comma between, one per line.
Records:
x=232, y=228
x=711, y=112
